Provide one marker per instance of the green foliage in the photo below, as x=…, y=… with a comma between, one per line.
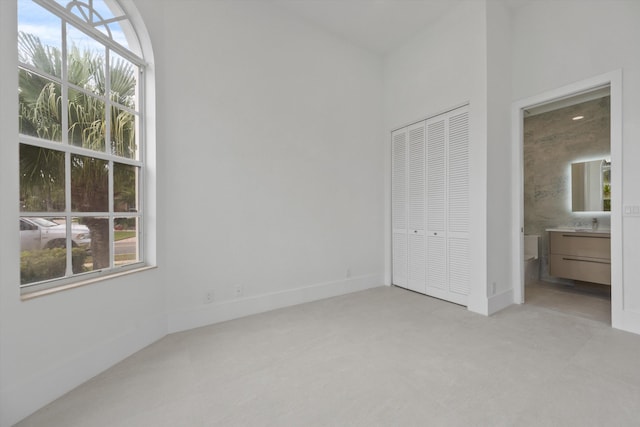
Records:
x=46, y=264
x=124, y=190
x=41, y=179
x=124, y=234
x=40, y=106
x=32, y=51
x=40, y=99
x=41, y=112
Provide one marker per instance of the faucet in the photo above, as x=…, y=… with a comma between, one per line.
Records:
x=594, y=224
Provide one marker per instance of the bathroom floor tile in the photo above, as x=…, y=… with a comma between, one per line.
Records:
x=584, y=300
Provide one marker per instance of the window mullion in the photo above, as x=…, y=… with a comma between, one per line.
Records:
x=30, y=140
x=109, y=150
x=68, y=218
x=111, y=217
x=65, y=87
x=35, y=70
x=91, y=11
x=64, y=110
x=107, y=101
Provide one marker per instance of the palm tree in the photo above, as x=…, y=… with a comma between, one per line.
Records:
x=40, y=114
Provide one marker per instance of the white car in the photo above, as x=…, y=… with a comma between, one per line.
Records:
x=41, y=233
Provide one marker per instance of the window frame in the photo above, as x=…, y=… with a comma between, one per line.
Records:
x=66, y=147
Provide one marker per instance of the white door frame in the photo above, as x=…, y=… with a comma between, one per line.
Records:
x=614, y=81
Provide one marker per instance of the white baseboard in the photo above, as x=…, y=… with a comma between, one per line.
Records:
x=500, y=301
x=232, y=309
x=43, y=387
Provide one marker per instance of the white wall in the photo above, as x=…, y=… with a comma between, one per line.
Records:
x=275, y=182
x=444, y=67
x=498, y=155
x=559, y=43
x=51, y=344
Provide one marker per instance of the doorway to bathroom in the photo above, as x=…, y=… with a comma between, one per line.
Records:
x=567, y=259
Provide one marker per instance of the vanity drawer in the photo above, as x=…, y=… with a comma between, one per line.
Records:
x=579, y=268
x=592, y=245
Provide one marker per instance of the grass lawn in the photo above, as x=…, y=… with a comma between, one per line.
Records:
x=123, y=234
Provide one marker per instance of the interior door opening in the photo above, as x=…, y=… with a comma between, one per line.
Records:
x=566, y=186
x=558, y=263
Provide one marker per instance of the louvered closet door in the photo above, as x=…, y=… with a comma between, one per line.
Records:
x=448, y=267
x=399, y=199
x=436, y=186
x=458, y=207
x=416, y=208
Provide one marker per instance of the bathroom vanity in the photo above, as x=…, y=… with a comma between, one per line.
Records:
x=580, y=254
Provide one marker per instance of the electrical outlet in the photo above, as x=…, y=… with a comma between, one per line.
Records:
x=208, y=297
x=238, y=291
x=348, y=273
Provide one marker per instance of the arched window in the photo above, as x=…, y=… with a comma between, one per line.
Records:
x=82, y=146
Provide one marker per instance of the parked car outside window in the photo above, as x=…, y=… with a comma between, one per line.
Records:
x=42, y=233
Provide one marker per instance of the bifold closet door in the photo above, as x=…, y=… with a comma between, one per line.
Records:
x=416, y=268
x=408, y=215
x=458, y=249
x=447, y=182
x=399, y=207
x=436, y=188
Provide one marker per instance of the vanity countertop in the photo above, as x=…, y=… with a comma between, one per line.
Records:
x=579, y=230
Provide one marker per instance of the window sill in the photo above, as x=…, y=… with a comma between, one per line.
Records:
x=40, y=293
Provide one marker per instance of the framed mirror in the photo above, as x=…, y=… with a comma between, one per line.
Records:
x=591, y=186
